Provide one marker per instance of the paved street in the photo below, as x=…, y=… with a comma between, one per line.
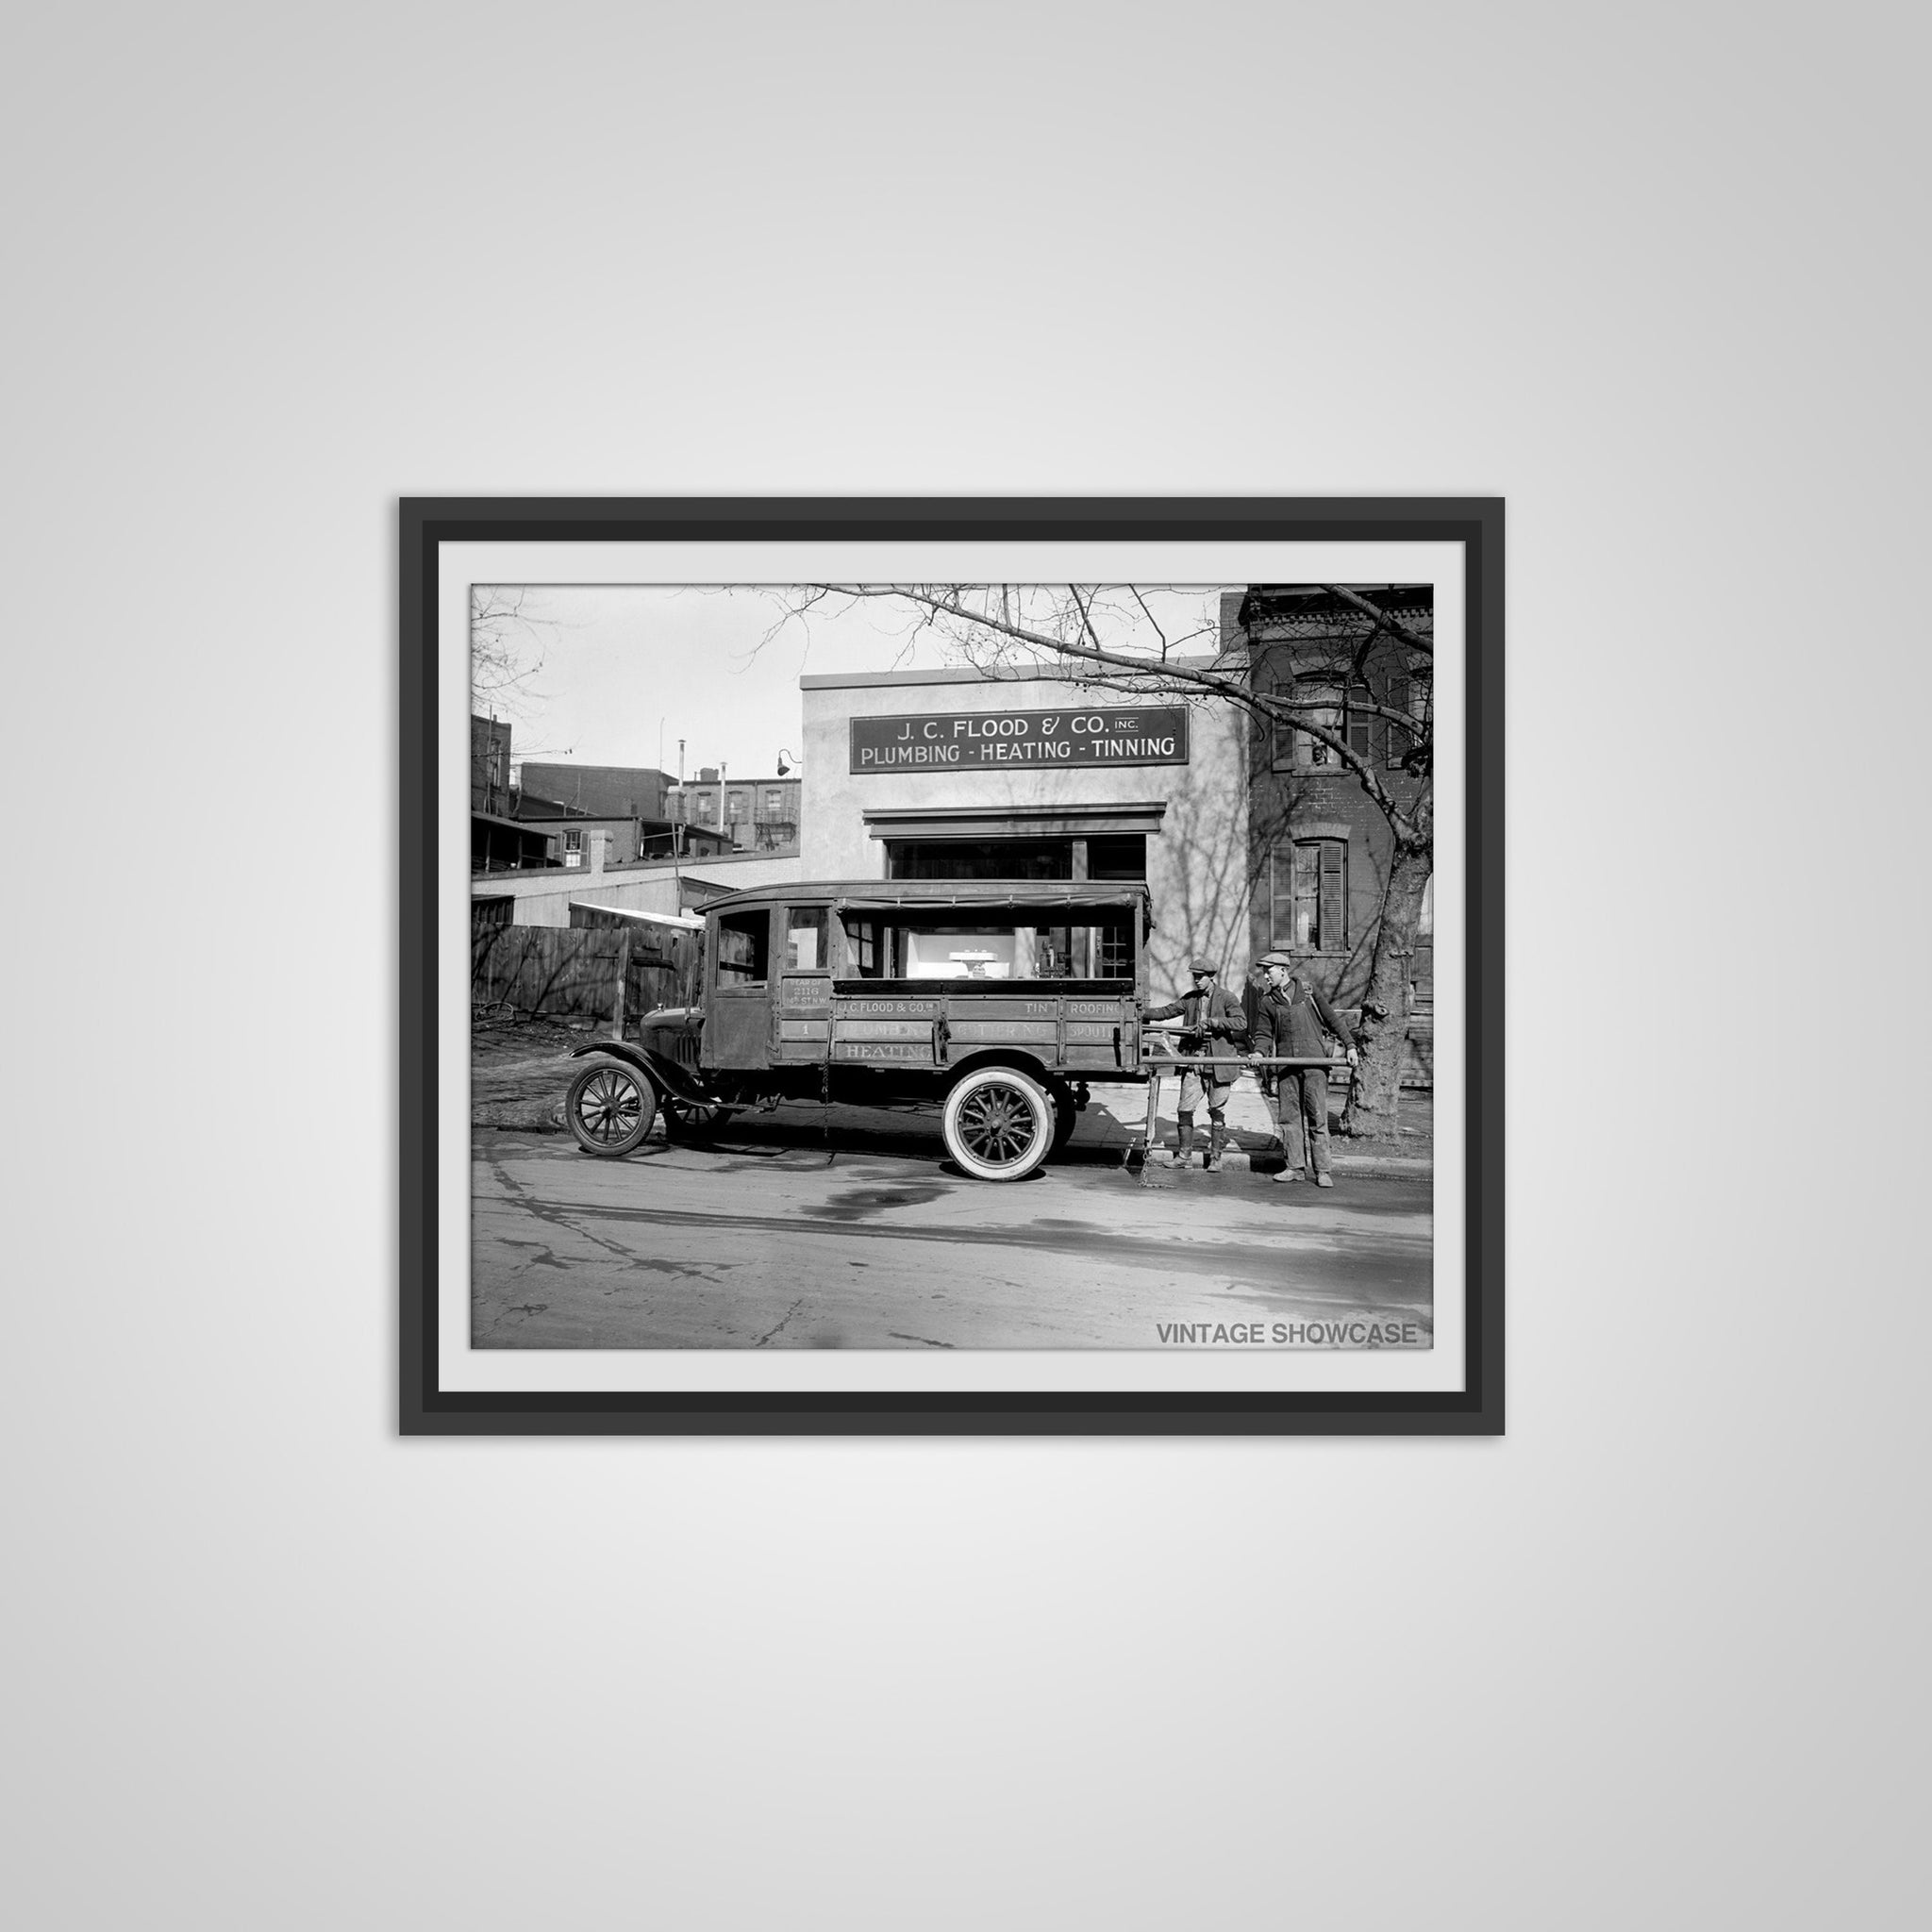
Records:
x=769, y=1240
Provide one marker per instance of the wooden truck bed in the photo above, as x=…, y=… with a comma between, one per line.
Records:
x=1085, y=1028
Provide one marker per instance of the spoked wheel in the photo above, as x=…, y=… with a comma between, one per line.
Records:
x=684, y=1120
x=610, y=1107
x=998, y=1124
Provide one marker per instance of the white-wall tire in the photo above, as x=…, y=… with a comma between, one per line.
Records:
x=998, y=1124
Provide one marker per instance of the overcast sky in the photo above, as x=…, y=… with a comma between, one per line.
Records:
x=625, y=663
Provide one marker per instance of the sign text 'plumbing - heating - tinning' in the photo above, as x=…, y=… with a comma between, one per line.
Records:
x=986, y=740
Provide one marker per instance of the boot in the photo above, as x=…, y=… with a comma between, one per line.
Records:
x=1217, y=1140
x=1183, y=1143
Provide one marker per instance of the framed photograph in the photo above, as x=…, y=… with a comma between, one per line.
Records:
x=952, y=966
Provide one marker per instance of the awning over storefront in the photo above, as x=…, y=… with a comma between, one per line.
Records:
x=1014, y=821
x=928, y=895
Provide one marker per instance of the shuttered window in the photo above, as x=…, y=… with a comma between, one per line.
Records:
x=1309, y=908
x=1409, y=694
x=1361, y=721
x=1281, y=734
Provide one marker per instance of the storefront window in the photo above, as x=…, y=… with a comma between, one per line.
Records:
x=1120, y=857
x=979, y=859
x=1115, y=945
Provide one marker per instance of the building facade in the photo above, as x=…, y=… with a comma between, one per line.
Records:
x=489, y=763
x=1025, y=774
x=628, y=840
x=1319, y=845
x=599, y=791
x=755, y=814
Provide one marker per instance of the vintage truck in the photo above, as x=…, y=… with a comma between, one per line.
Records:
x=1002, y=1000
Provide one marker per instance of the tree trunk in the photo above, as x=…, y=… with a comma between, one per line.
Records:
x=1374, y=1088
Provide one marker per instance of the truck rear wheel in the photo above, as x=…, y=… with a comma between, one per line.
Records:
x=685, y=1120
x=1066, y=1113
x=998, y=1124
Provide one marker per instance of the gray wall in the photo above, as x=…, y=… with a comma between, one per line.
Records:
x=1656, y=1657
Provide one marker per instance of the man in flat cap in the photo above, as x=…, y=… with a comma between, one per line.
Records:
x=1207, y=1014
x=1290, y=1019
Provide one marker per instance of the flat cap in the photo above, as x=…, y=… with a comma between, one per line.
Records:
x=1274, y=959
x=1202, y=966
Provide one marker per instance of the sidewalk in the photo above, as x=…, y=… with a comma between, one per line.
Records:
x=1254, y=1145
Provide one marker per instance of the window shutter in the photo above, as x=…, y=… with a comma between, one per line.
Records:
x=1334, y=918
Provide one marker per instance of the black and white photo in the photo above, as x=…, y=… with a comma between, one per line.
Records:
x=963, y=985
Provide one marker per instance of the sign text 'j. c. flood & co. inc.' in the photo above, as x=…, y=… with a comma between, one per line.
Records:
x=973, y=741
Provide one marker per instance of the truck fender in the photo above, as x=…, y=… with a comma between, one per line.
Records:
x=667, y=1074
x=1017, y=1057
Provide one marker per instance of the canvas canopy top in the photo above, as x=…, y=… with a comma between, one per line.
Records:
x=914, y=896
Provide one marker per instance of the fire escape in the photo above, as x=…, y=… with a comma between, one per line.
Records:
x=775, y=827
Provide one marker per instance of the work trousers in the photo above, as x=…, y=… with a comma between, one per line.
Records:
x=1199, y=1084
x=1300, y=1104
x=1193, y=1091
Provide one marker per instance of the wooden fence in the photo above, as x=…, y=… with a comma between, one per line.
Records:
x=572, y=971
x=551, y=971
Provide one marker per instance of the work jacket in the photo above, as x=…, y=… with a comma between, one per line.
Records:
x=1204, y=1017
x=1290, y=1023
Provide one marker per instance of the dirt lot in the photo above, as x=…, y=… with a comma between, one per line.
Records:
x=519, y=1070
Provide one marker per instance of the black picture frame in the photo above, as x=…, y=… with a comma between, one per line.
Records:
x=1476, y=522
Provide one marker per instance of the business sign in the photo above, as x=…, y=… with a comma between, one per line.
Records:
x=984, y=740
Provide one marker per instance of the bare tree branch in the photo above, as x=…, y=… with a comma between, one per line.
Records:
x=1169, y=676
x=1412, y=638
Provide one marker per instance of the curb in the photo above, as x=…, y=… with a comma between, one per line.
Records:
x=1388, y=1166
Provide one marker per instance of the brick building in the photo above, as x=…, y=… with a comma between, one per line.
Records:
x=756, y=814
x=628, y=840
x=600, y=792
x=1319, y=846
x=489, y=760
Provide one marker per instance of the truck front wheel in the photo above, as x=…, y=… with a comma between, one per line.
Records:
x=610, y=1107
x=998, y=1124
